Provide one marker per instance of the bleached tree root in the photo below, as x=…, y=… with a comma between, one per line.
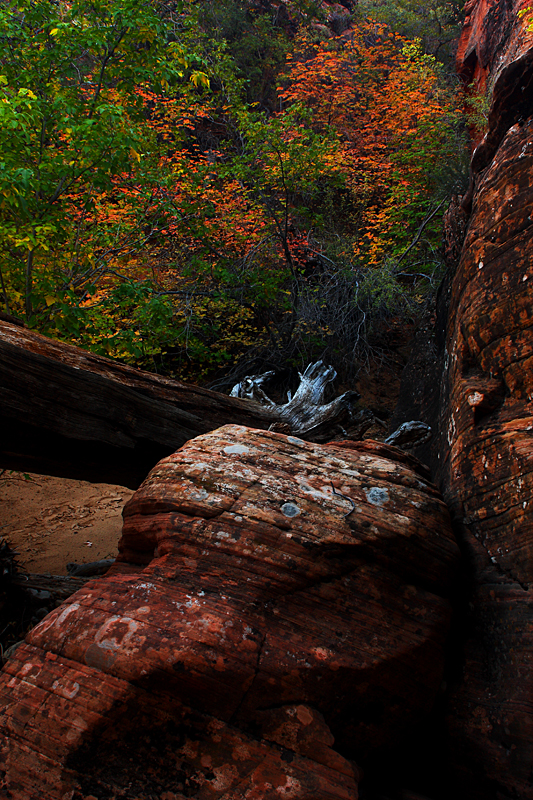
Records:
x=308, y=416
x=306, y=413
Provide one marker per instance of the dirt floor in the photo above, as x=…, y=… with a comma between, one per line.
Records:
x=52, y=521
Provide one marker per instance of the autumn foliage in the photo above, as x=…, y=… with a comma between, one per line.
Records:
x=393, y=115
x=223, y=229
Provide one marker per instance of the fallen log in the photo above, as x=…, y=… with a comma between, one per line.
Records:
x=305, y=413
x=43, y=590
x=73, y=414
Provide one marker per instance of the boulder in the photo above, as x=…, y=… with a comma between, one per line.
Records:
x=278, y=609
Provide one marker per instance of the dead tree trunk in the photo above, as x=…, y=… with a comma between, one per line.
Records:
x=305, y=415
x=73, y=414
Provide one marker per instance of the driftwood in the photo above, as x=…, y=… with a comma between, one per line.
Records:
x=73, y=414
x=410, y=434
x=90, y=569
x=305, y=414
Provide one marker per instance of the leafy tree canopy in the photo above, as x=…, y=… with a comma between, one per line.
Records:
x=71, y=118
x=188, y=186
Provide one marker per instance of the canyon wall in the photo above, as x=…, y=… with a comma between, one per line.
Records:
x=479, y=355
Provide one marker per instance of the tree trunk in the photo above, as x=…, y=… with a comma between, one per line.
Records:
x=70, y=413
x=306, y=414
x=45, y=590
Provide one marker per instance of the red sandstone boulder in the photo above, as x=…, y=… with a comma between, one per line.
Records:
x=280, y=607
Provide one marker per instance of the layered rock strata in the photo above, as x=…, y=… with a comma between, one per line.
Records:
x=495, y=56
x=279, y=608
x=487, y=469
x=483, y=455
x=488, y=424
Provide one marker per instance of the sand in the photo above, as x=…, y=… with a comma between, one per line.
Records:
x=54, y=521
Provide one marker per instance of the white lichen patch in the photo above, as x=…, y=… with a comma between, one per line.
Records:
x=116, y=632
x=65, y=688
x=475, y=398
x=65, y=613
x=298, y=442
x=377, y=495
x=236, y=449
x=224, y=777
x=291, y=788
x=290, y=510
x=148, y=586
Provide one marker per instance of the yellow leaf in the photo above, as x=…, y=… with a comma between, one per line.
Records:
x=50, y=299
x=200, y=78
x=54, y=31
x=135, y=154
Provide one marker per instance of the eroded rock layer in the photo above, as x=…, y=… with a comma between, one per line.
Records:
x=280, y=607
x=488, y=474
x=483, y=456
x=495, y=55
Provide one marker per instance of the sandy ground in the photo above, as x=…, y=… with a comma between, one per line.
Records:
x=53, y=521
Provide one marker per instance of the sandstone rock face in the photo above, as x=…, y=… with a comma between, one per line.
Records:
x=489, y=422
x=488, y=475
x=493, y=38
x=279, y=609
x=483, y=456
x=495, y=54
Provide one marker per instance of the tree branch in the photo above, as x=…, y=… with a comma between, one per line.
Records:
x=419, y=233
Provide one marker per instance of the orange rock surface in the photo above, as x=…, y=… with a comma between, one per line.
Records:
x=280, y=607
x=486, y=446
x=489, y=468
x=495, y=56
